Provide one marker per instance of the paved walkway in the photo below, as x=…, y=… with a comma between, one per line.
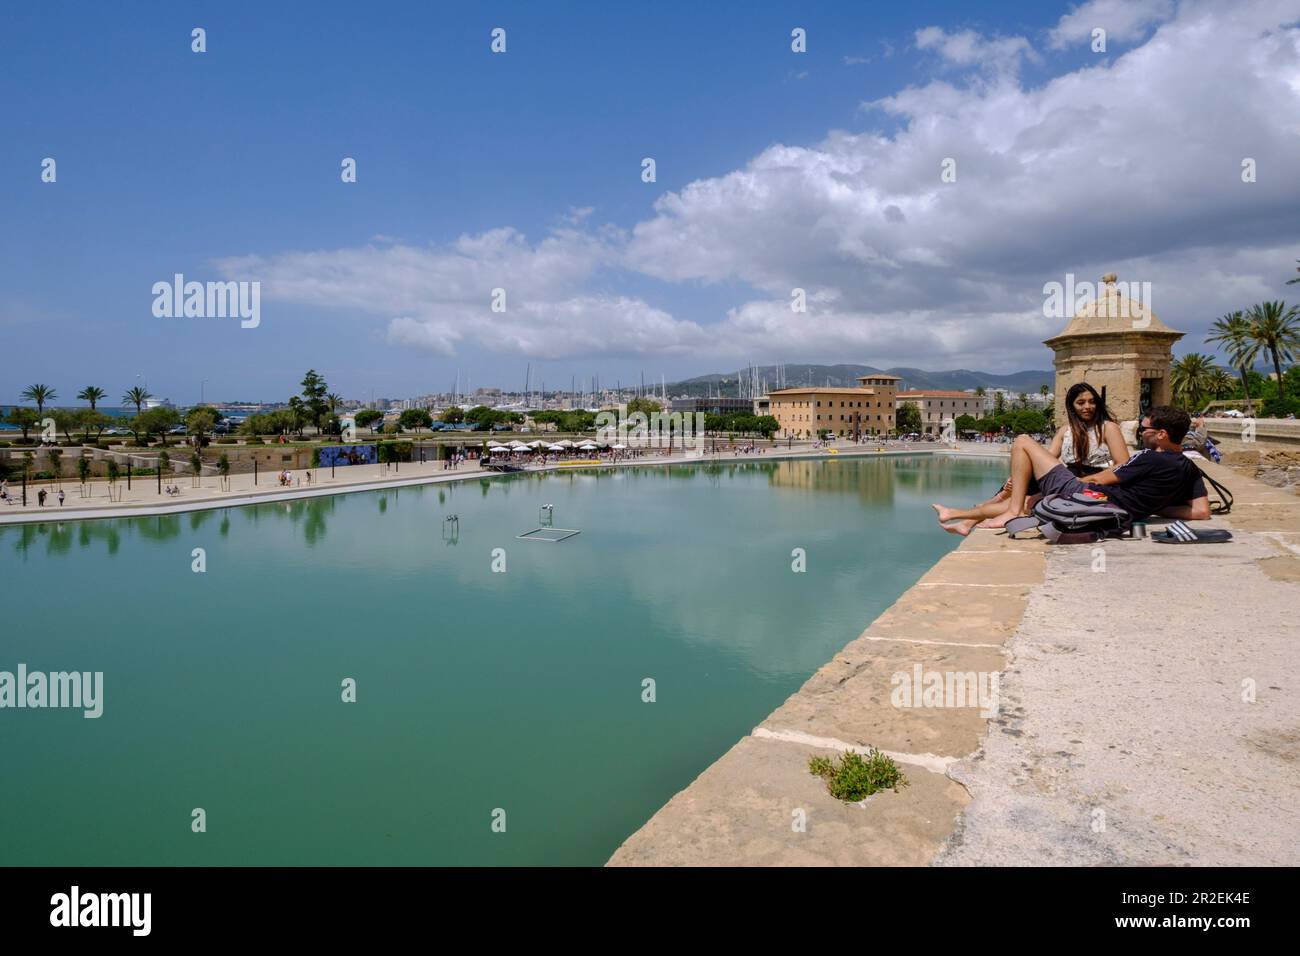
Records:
x=1120, y=692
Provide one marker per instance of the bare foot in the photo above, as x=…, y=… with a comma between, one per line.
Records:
x=998, y=522
x=945, y=514
x=962, y=528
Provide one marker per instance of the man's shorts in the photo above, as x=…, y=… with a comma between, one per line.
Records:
x=1060, y=481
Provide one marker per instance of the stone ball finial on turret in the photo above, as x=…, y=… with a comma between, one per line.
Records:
x=1109, y=278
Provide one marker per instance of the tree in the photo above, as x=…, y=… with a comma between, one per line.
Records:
x=999, y=404
x=299, y=414
x=40, y=394
x=92, y=394
x=1276, y=329
x=452, y=414
x=368, y=416
x=164, y=463
x=1221, y=383
x=200, y=421
x=647, y=405
x=158, y=421
x=55, y=457
x=66, y=421
x=314, y=391
x=136, y=396
x=83, y=469
x=965, y=423
x=1297, y=279
x=24, y=418
x=1023, y=401
x=415, y=418
x=1232, y=332
x=909, y=417
x=1190, y=378
x=334, y=402
x=89, y=419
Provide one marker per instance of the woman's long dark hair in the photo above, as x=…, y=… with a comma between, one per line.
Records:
x=1078, y=427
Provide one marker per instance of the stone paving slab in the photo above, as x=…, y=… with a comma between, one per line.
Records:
x=852, y=699
x=986, y=569
x=741, y=812
x=953, y=614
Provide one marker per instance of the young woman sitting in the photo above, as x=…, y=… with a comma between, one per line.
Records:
x=1088, y=443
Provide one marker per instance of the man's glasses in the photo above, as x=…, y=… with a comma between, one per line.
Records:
x=1149, y=428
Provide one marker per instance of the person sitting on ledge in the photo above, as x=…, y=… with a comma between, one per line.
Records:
x=1090, y=442
x=1157, y=480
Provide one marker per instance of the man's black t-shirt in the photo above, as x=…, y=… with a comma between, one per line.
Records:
x=1152, y=480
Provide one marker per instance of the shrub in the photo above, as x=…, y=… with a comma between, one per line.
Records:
x=856, y=777
x=1280, y=407
x=44, y=476
x=4, y=444
x=227, y=441
x=255, y=440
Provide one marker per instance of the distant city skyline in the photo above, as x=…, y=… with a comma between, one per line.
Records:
x=776, y=171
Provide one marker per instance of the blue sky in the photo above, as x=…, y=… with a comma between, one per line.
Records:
x=226, y=165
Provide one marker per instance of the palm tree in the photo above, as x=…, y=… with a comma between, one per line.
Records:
x=1221, y=382
x=1297, y=279
x=136, y=396
x=332, y=401
x=92, y=394
x=1275, y=328
x=1190, y=378
x=1232, y=331
x=40, y=394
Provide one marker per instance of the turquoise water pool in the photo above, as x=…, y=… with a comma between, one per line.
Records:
x=477, y=691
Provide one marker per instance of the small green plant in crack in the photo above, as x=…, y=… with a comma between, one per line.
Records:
x=855, y=777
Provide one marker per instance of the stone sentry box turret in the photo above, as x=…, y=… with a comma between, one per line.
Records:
x=1118, y=345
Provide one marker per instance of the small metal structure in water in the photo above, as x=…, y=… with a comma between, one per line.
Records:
x=546, y=530
x=451, y=529
x=548, y=534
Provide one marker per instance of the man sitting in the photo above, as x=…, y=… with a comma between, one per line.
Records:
x=1157, y=480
